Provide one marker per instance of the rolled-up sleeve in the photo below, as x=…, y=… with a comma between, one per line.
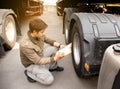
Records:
x=34, y=57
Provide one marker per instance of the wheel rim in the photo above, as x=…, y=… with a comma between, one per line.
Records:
x=10, y=31
x=76, y=48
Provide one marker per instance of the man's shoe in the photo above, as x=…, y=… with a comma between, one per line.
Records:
x=57, y=69
x=28, y=78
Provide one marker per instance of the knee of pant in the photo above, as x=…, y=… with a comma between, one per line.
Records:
x=49, y=80
x=54, y=49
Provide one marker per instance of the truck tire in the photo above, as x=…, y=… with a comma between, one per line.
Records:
x=65, y=27
x=77, y=52
x=9, y=32
x=66, y=20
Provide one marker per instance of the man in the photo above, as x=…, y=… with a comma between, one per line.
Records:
x=38, y=59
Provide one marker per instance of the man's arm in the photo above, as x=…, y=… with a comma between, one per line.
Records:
x=35, y=58
x=53, y=42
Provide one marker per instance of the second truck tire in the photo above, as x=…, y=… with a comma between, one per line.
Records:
x=9, y=32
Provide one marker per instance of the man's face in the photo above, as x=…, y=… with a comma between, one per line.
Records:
x=38, y=34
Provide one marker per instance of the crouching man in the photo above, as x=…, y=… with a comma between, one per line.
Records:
x=38, y=59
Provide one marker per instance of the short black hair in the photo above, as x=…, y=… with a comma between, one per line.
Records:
x=37, y=25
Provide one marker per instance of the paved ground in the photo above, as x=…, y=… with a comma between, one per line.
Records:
x=11, y=69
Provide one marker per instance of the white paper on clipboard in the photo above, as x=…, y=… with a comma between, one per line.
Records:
x=66, y=50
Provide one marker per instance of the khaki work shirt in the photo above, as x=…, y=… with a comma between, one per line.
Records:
x=31, y=50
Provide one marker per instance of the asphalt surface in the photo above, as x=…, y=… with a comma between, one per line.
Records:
x=11, y=69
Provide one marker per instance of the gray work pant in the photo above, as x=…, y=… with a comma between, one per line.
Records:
x=41, y=73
